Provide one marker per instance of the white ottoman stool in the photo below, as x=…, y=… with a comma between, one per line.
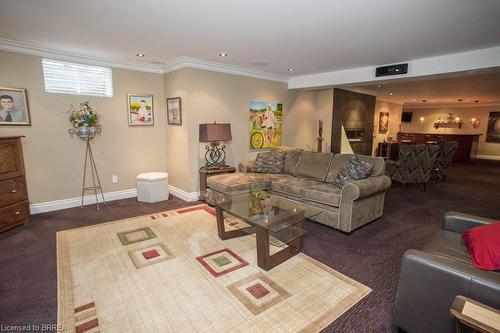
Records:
x=152, y=187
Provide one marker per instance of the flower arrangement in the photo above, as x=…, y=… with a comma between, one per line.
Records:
x=83, y=115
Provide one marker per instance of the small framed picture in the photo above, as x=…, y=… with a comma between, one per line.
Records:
x=140, y=110
x=174, y=111
x=14, y=108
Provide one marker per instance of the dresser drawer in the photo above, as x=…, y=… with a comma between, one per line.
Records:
x=14, y=214
x=12, y=191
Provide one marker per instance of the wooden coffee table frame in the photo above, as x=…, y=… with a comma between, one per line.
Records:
x=265, y=260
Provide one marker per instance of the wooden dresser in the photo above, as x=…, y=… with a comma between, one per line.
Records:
x=14, y=204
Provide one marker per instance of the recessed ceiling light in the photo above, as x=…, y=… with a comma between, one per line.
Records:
x=222, y=54
x=380, y=86
x=291, y=69
x=140, y=55
x=391, y=94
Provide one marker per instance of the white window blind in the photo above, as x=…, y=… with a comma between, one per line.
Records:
x=78, y=79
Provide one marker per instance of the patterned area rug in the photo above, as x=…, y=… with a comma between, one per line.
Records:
x=169, y=272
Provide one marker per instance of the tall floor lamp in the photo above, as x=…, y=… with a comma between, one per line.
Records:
x=215, y=155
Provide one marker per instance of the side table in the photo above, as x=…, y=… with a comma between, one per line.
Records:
x=207, y=172
x=474, y=315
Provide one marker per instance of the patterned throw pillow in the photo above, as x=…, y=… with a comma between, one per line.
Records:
x=269, y=162
x=352, y=170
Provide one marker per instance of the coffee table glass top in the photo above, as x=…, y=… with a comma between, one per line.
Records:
x=261, y=208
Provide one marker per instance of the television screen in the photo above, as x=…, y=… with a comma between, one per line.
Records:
x=406, y=117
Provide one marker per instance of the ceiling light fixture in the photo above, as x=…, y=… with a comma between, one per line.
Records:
x=391, y=94
x=291, y=69
x=222, y=54
x=140, y=55
x=380, y=86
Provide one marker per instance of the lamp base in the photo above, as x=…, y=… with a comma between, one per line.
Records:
x=215, y=156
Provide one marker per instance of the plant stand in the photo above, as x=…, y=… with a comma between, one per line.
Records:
x=87, y=134
x=89, y=156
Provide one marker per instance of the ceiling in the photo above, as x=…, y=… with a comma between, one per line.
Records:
x=483, y=86
x=272, y=36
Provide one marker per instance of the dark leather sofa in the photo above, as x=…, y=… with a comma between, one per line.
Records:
x=430, y=279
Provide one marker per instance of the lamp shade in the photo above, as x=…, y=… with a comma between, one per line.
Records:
x=215, y=132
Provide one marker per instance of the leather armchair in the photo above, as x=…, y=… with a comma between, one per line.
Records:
x=430, y=279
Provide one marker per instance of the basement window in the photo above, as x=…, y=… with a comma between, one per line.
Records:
x=77, y=79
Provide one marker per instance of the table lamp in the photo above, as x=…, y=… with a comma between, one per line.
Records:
x=215, y=156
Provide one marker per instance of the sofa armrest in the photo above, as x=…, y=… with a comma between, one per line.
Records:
x=364, y=187
x=245, y=166
x=461, y=222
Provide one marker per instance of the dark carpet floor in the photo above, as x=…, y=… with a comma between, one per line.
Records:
x=370, y=255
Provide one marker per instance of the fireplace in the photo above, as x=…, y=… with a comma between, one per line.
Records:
x=355, y=135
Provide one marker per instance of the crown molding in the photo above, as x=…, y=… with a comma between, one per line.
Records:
x=187, y=62
x=25, y=48
x=451, y=105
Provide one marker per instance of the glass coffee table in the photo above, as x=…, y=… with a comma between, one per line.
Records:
x=272, y=219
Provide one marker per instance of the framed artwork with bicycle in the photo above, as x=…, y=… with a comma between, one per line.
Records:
x=265, y=124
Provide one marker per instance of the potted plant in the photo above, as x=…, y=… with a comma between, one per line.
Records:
x=84, y=120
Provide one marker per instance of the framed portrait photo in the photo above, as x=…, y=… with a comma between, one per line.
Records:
x=140, y=110
x=14, y=108
x=383, y=122
x=174, y=111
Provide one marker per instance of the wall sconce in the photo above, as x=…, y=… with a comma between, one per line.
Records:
x=475, y=122
x=422, y=120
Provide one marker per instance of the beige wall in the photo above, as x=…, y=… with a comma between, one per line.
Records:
x=466, y=113
x=211, y=96
x=394, y=121
x=325, y=109
x=54, y=161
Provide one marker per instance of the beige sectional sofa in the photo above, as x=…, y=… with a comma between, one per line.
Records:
x=308, y=179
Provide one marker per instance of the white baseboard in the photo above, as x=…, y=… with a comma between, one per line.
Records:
x=49, y=206
x=186, y=196
x=488, y=157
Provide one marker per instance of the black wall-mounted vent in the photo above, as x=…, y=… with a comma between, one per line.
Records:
x=391, y=70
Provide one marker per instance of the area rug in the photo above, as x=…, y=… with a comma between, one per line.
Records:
x=169, y=272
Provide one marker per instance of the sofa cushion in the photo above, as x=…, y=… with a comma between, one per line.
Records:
x=291, y=160
x=324, y=193
x=340, y=159
x=448, y=244
x=234, y=183
x=483, y=243
x=313, y=165
x=353, y=169
x=269, y=162
x=292, y=185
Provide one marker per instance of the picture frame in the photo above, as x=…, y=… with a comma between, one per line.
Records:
x=493, y=130
x=140, y=110
x=14, y=107
x=383, y=122
x=174, y=111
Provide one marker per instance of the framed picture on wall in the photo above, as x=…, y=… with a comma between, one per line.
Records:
x=14, y=108
x=140, y=110
x=493, y=134
x=174, y=111
x=383, y=122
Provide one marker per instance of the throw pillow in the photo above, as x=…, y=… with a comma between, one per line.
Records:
x=353, y=169
x=483, y=243
x=269, y=162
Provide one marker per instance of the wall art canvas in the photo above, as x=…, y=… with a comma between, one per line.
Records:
x=493, y=134
x=383, y=122
x=265, y=124
x=174, y=111
x=140, y=110
x=14, y=109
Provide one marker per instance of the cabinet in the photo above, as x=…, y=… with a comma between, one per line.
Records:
x=14, y=204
